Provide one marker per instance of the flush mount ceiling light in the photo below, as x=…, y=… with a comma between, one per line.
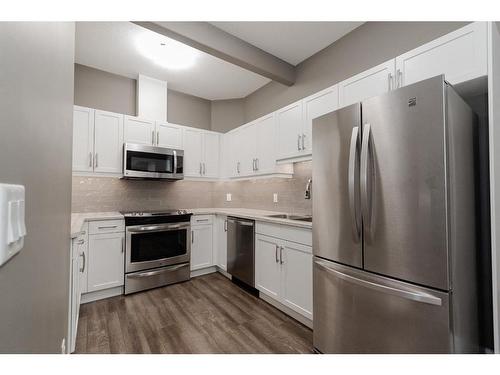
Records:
x=166, y=52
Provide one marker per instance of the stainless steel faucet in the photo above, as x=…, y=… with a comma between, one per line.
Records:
x=307, y=193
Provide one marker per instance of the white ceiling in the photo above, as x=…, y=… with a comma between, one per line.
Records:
x=110, y=46
x=292, y=42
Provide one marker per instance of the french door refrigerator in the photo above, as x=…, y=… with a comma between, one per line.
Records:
x=394, y=235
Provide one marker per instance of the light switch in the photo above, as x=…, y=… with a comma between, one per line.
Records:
x=275, y=197
x=12, y=216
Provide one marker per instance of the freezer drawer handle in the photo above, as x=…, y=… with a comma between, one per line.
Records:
x=413, y=295
x=353, y=174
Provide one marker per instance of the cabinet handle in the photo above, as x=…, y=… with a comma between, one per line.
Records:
x=96, y=160
x=303, y=136
x=276, y=254
x=157, y=137
x=201, y=220
x=90, y=159
x=200, y=169
x=257, y=164
x=298, y=142
x=80, y=242
x=281, y=255
x=153, y=137
x=192, y=236
x=238, y=167
x=225, y=225
x=204, y=169
x=108, y=227
x=389, y=82
x=253, y=164
x=82, y=270
x=123, y=245
x=399, y=77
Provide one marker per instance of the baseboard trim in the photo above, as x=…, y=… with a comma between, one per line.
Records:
x=224, y=273
x=203, y=271
x=295, y=315
x=101, y=294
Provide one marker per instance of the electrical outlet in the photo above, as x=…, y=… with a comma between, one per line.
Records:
x=275, y=197
x=228, y=197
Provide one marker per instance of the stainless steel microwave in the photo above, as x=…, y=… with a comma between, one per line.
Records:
x=151, y=162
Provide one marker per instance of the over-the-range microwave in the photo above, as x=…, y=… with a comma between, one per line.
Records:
x=152, y=162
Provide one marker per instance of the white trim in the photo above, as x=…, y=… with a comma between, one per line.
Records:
x=295, y=159
x=101, y=294
x=295, y=315
x=224, y=273
x=203, y=271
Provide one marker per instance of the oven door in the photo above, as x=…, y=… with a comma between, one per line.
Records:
x=149, y=246
x=141, y=161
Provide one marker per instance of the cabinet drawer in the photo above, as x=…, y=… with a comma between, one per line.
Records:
x=106, y=226
x=285, y=232
x=201, y=219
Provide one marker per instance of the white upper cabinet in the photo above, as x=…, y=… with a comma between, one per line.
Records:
x=289, y=126
x=193, y=152
x=460, y=55
x=265, y=145
x=83, y=139
x=201, y=153
x=317, y=105
x=108, y=142
x=372, y=82
x=246, y=144
x=211, y=155
x=140, y=130
x=169, y=135
x=97, y=141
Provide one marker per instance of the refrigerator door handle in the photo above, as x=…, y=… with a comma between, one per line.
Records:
x=365, y=180
x=353, y=174
x=417, y=296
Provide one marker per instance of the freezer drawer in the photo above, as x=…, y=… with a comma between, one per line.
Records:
x=358, y=312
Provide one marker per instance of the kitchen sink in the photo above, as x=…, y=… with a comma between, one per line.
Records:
x=292, y=217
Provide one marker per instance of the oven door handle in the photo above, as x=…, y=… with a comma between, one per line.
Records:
x=154, y=273
x=156, y=228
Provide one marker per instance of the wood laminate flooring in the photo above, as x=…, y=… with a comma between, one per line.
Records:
x=208, y=314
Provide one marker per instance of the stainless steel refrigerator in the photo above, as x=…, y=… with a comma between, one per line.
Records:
x=394, y=234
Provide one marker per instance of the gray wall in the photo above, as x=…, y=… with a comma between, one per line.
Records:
x=36, y=99
x=370, y=44
x=227, y=114
x=111, y=92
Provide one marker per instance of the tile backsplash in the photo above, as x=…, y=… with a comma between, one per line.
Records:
x=93, y=194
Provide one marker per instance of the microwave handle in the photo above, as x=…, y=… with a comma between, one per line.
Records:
x=175, y=161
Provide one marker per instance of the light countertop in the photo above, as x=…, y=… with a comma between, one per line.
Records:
x=78, y=219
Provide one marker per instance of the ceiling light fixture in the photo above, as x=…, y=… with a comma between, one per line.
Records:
x=166, y=52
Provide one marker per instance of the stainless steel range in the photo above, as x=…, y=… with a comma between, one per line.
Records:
x=157, y=248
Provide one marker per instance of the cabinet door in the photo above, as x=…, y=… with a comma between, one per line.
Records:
x=201, y=247
x=139, y=130
x=193, y=152
x=237, y=152
x=220, y=251
x=246, y=150
x=83, y=139
x=169, y=135
x=265, y=145
x=317, y=105
x=108, y=149
x=211, y=155
x=289, y=131
x=373, y=82
x=106, y=261
x=267, y=266
x=227, y=161
x=460, y=56
x=297, y=284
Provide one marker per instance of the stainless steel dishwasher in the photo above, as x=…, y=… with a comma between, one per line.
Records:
x=241, y=249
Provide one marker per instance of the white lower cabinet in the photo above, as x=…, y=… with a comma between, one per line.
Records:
x=283, y=271
x=220, y=242
x=201, y=246
x=106, y=261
